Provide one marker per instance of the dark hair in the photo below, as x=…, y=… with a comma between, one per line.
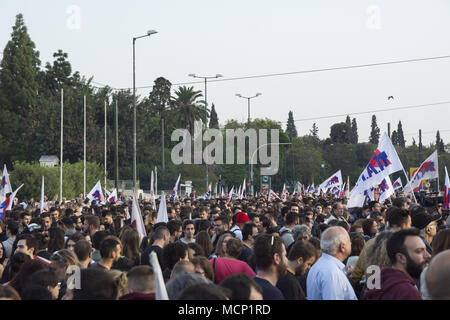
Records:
x=17, y=260
x=9, y=292
x=197, y=248
x=240, y=285
x=30, y=240
x=247, y=230
x=396, y=243
x=75, y=237
x=36, y=292
x=203, y=240
x=173, y=226
x=206, y=266
x=13, y=227
x=202, y=225
x=234, y=247
x=56, y=239
x=187, y=222
x=367, y=225
x=96, y=285
x=82, y=249
x=160, y=232
x=22, y=278
x=97, y=238
x=301, y=249
x=45, y=277
x=264, y=248
x=204, y=292
x=141, y=278
x=399, y=202
x=441, y=241
x=357, y=244
x=93, y=221
x=291, y=217
x=173, y=252
x=396, y=216
x=108, y=246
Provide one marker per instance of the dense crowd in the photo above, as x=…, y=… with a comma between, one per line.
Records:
x=249, y=249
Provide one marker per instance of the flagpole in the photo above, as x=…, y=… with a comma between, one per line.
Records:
x=410, y=187
x=61, y=154
x=156, y=180
x=105, y=145
x=84, y=147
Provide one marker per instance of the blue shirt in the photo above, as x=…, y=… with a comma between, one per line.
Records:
x=270, y=292
x=327, y=280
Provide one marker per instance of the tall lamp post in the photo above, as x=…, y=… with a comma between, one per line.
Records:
x=149, y=33
x=248, y=124
x=206, y=114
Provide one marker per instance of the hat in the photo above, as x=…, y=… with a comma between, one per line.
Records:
x=241, y=217
x=421, y=220
x=33, y=226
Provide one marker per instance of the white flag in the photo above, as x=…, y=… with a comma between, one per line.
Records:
x=160, y=286
x=230, y=194
x=272, y=196
x=428, y=170
x=398, y=184
x=152, y=193
x=113, y=196
x=96, y=193
x=334, y=180
x=162, y=211
x=174, y=194
x=136, y=218
x=386, y=190
x=242, y=193
x=5, y=186
x=284, y=193
x=384, y=162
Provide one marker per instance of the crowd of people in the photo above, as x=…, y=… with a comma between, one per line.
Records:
x=313, y=248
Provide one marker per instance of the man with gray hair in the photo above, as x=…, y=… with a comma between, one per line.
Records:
x=301, y=232
x=438, y=276
x=327, y=279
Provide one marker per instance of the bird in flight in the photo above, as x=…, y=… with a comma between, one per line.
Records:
x=390, y=97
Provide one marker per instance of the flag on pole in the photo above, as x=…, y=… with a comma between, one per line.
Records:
x=384, y=162
x=446, y=191
x=239, y=192
x=112, y=196
x=222, y=194
x=162, y=211
x=136, y=218
x=216, y=191
x=299, y=191
x=272, y=196
x=341, y=192
x=42, y=196
x=208, y=192
x=334, y=180
x=243, y=194
x=174, y=193
x=230, y=194
x=152, y=192
x=96, y=193
x=5, y=185
x=386, y=189
x=160, y=286
x=398, y=184
x=428, y=170
x=7, y=204
x=284, y=194
x=347, y=188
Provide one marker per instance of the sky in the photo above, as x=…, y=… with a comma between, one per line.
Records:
x=241, y=38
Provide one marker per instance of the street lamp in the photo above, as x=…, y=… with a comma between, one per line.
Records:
x=248, y=121
x=206, y=114
x=149, y=33
x=254, y=152
x=248, y=102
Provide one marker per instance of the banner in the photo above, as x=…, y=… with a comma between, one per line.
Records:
x=174, y=193
x=398, y=184
x=96, y=193
x=334, y=180
x=386, y=190
x=429, y=169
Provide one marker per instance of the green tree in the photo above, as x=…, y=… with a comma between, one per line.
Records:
x=375, y=131
x=394, y=138
x=400, y=136
x=290, y=127
x=159, y=98
x=340, y=133
x=187, y=108
x=314, y=131
x=213, y=120
x=354, y=132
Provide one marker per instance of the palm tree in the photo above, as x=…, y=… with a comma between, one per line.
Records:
x=187, y=108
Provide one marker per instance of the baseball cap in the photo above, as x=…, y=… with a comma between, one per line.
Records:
x=241, y=217
x=421, y=220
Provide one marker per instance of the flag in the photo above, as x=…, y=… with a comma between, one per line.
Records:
x=5, y=186
x=230, y=195
x=386, y=190
x=243, y=194
x=284, y=194
x=222, y=193
x=162, y=211
x=272, y=196
x=112, y=196
x=208, y=192
x=334, y=180
x=239, y=192
x=428, y=170
x=96, y=193
x=341, y=192
x=152, y=192
x=446, y=191
x=136, y=218
x=216, y=191
x=7, y=204
x=398, y=184
x=299, y=191
x=384, y=162
x=347, y=188
x=42, y=196
x=160, y=286
x=175, y=189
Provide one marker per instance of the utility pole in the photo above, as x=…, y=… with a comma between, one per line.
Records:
x=116, y=145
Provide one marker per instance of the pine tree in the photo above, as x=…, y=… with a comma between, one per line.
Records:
x=354, y=132
x=290, y=127
x=375, y=131
x=314, y=131
x=438, y=140
x=213, y=120
x=394, y=138
x=348, y=121
x=19, y=71
x=400, y=137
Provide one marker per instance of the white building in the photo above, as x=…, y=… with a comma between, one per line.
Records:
x=49, y=161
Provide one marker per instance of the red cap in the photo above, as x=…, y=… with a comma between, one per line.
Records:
x=242, y=217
